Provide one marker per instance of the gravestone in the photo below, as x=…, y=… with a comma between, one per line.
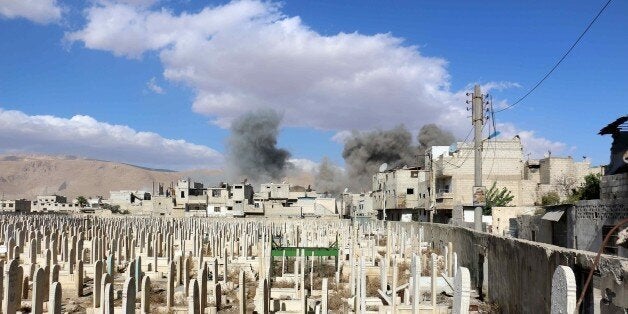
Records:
x=462, y=291
x=193, y=298
x=146, y=292
x=563, y=291
x=128, y=296
x=54, y=303
x=37, y=305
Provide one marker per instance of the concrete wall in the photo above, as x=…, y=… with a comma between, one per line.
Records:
x=504, y=219
x=589, y=217
x=520, y=272
x=614, y=187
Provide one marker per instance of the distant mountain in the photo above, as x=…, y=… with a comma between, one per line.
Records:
x=26, y=176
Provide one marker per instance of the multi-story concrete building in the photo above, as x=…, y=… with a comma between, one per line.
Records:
x=45, y=203
x=190, y=196
x=502, y=164
x=17, y=206
x=558, y=174
x=359, y=205
x=401, y=194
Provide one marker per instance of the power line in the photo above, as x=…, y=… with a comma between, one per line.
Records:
x=559, y=61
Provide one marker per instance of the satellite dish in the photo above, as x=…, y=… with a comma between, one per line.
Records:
x=383, y=167
x=345, y=191
x=453, y=147
x=625, y=157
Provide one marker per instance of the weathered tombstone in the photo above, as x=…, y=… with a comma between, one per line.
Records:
x=37, y=305
x=171, y=286
x=54, y=303
x=111, y=264
x=433, y=281
x=242, y=293
x=146, y=292
x=98, y=272
x=462, y=291
x=416, y=283
x=202, y=275
x=138, y=273
x=108, y=298
x=11, y=297
x=563, y=291
x=78, y=278
x=215, y=271
x=186, y=274
x=193, y=298
x=128, y=296
x=217, y=296
x=106, y=279
x=324, y=296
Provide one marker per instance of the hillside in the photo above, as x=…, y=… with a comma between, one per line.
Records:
x=27, y=176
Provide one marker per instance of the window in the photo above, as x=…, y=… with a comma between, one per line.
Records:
x=182, y=194
x=216, y=209
x=410, y=191
x=229, y=208
x=256, y=205
x=215, y=193
x=238, y=187
x=414, y=174
x=611, y=246
x=10, y=204
x=238, y=202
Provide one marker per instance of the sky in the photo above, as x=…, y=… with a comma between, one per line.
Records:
x=157, y=83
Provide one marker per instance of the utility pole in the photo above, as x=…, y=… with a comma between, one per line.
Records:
x=478, y=124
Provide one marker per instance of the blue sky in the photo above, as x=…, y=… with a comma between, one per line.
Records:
x=156, y=83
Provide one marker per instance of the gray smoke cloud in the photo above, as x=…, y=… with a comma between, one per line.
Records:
x=330, y=178
x=431, y=135
x=365, y=152
x=252, y=147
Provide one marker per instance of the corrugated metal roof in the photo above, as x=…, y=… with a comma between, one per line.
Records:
x=553, y=215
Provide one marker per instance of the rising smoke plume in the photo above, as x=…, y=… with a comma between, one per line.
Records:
x=365, y=152
x=252, y=146
x=330, y=178
x=431, y=135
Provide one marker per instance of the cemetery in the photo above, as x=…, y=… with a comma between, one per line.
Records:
x=88, y=264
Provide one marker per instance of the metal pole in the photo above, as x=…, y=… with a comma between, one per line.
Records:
x=478, y=124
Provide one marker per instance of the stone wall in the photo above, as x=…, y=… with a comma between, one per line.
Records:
x=519, y=272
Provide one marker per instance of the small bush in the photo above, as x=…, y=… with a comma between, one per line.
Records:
x=550, y=198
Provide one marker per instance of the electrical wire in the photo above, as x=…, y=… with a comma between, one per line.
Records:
x=559, y=61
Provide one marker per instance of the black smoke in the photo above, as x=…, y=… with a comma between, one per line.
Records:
x=364, y=152
x=252, y=147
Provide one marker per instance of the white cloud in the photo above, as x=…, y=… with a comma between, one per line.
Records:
x=38, y=11
x=534, y=145
x=246, y=55
x=153, y=86
x=84, y=136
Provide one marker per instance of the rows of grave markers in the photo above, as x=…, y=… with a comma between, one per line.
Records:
x=209, y=265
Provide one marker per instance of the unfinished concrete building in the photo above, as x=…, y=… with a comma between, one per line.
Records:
x=401, y=194
x=502, y=164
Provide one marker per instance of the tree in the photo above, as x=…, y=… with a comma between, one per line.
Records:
x=566, y=183
x=496, y=197
x=82, y=201
x=550, y=198
x=589, y=190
